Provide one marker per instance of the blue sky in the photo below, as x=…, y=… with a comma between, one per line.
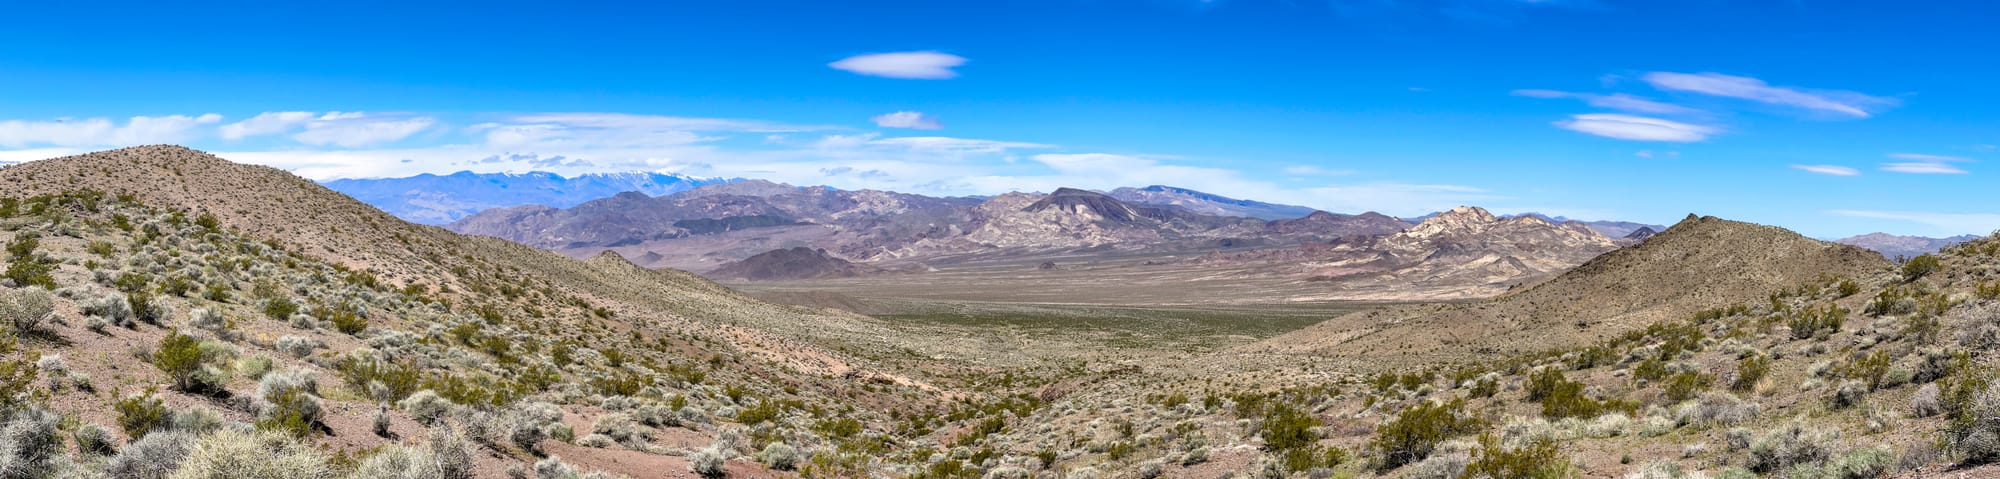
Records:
x=1831, y=118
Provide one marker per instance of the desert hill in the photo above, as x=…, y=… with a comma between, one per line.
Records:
x=792, y=264
x=1699, y=263
x=1900, y=246
x=193, y=233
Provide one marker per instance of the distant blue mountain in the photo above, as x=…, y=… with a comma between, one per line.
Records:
x=435, y=199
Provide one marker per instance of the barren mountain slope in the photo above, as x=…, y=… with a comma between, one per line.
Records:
x=1699, y=263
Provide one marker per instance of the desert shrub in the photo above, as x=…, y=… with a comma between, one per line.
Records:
x=708, y=462
x=1285, y=428
x=380, y=422
x=1418, y=430
x=397, y=462
x=779, y=456
x=112, y=307
x=235, y=454
x=1563, y=398
x=288, y=402
x=195, y=420
x=1749, y=370
x=1869, y=368
x=1684, y=386
x=152, y=457
x=1924, y=403
x=1920, y=266
x=454, y=457
x=280, y=308
x=30, y=443
x=426, y=406
x=1789, y=446
x=1817, y=322
x=1850, y=393
x=1974, y=426
x=94, y=440
x=1540, y=458
x=180, y=356
x=344, y=320
x=297, y=346
x=140, y=414
x=25, y=309
x=207, y=319
x=1716, y=408
x=145, y=310
x=369, y=375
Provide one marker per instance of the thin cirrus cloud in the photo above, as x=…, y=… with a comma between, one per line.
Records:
x=1636, y=128
x=1836, y=102
x=1956, y=223
x=1922, y=164
x=924, y=65
x=915, y=120
x=137, y=130
x=1615, y=101
x=1830, y=170
x=344, y=129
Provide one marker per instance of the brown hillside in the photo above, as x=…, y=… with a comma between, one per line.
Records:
x=1699, y=263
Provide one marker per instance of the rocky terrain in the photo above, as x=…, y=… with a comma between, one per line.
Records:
x=440, y=199
x=1895, y=246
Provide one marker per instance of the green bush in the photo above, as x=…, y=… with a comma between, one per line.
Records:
x=1285, y=428
x=1418, y=430
x=280, y=308
x=1817, y=322
x=1563, y=398
x=1749, y=370
x=140, y=414
x=1920, y=266
x=1541, y=458
x=180, y=357
x=1684, y=386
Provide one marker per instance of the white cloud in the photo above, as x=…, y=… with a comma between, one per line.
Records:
x=926, y=65
x=1834, y=170
x=943, y=144
x=1950, y=223
x=267, y=123
x=138, y=130
x=1929, y=158
x=1842, y=103
x=1649, y=154
x=1616, y=101
x=1923, y=164
x=907, y=119
x=355, y=130
x=1922, y=168
x=1637, y=128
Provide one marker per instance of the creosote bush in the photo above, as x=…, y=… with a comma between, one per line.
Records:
x=1418, y=430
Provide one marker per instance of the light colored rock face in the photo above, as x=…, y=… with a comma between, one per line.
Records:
x=1462, y=253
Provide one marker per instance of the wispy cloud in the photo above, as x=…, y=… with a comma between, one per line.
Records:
x=915, y=120
x=136, y=130
x=1924, y=164
x=1833, y=170
x=925, y=65
x=1636, y=128
x=1615, y=101
x=1953, y=223
x=956, y=145
x=1837, y=102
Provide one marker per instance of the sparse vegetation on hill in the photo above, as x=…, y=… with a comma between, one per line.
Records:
x=193, y=325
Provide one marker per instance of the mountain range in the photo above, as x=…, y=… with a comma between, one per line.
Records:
x=440, y=199
x=1897, y=246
